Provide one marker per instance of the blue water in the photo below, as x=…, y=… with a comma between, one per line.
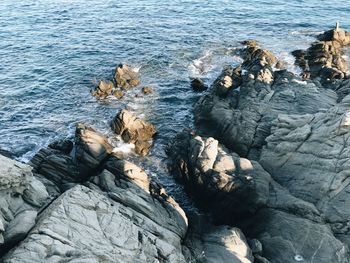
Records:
x=53, y=51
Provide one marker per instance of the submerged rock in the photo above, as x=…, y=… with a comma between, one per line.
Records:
x=134, y=130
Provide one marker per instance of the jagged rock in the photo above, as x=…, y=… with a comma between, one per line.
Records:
x=324, y=58
x=240, y=192
x=91, y=148
x=104, y=89
x=21, y=195
x=126, y=77
x=198, y=85
x=134, y=130
x=65, y=163
x=122, y=217
x=118, y=94
x=230, y=78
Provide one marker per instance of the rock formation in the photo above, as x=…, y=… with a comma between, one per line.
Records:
x=324, y=59
x=125, y=77
x=134, y=130
x=283, y=177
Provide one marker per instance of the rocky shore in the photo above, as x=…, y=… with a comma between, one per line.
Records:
x=267, y=165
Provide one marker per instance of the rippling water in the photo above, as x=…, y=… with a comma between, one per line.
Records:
x=53, y=51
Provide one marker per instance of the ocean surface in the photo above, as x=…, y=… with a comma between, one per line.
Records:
x=53, y=52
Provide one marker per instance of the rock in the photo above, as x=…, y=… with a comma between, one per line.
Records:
x=230, y=78
x=122, y=217
x=21, y=196
x=118, y=94
x=134, y=130
x=104, y=89
x=214, y=244
x=198, y=85
x=126, y=77
x=64, y=164
x=147, y=90
x=324, y=58
x=240, y=192
x=6, y=153
x=91, y=148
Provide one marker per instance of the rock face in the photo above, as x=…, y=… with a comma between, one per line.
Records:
x=324, y=59
x=21, y=196
x=114, y=220
x=125, y=77
x=240, y=192
x=134, y=130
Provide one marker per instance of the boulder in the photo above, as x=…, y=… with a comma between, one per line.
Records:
x=21, y=196
x=147, y=90
x=125, y=77
x=198, y=85
x=91, y=148
x=134, y=130
x=104, y=89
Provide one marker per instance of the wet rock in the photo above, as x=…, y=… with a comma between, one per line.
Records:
x=118, y=94
x=125, y=77
x=198, y=85
x=134, y=130
x=104, y=89
x=240, y=192
x=147, y=90
x=21, y=195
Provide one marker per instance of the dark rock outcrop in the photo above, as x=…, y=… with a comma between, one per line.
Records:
x=134, y=130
